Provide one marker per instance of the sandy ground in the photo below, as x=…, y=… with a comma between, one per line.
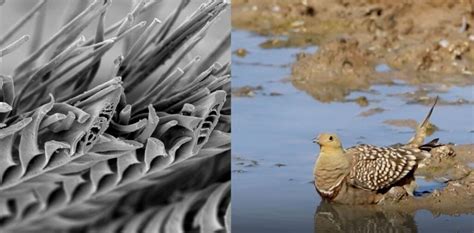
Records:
x=427, y=41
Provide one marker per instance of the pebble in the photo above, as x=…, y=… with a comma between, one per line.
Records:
x=444, y=43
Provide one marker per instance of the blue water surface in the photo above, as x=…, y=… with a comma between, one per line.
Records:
x=273, y=130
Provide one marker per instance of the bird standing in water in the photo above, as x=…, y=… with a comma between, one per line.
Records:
x=366, y=174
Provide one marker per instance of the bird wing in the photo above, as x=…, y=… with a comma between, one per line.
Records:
x=376, y=168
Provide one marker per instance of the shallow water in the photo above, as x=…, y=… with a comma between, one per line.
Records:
x=274, y=154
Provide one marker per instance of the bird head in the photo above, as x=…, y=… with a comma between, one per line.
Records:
x=328, y=140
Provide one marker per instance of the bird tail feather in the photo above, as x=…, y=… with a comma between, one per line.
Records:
x=426, y=149
x=421, y=130
x=430, y=145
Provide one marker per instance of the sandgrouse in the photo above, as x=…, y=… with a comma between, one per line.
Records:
x=366, y=174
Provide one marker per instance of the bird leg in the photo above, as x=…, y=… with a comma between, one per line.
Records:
x=410, y=187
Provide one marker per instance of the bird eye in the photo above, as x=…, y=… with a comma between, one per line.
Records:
x=330, y=138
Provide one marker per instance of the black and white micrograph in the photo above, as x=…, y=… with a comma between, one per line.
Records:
x=115, y=116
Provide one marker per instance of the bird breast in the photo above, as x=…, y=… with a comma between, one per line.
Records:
x=329, y=175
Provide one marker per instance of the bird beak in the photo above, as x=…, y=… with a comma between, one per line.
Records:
x=316, y=140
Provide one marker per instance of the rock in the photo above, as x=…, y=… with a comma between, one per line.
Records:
x=241, y=52
x=362, y=101
x=246, y=91
x=372, y=111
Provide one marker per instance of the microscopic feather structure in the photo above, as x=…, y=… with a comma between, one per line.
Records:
x=136, y=144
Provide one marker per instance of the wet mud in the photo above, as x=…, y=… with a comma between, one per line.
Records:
x=422, y=42
x=457, y=195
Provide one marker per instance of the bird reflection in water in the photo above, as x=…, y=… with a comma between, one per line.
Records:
x=335, y=218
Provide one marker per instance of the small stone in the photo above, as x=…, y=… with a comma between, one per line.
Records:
x=444, y=43
x=471, y=37
x=241, y=52
x=239, y=171
x=246, y=91
x=362, y=101
x=297, y=23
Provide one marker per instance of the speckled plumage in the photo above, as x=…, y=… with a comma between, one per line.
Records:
x=376, y=168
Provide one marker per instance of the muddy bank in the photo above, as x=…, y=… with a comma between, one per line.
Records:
x=457, y=197
x=422, y=96
x=338, y=68
x=421, y=41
